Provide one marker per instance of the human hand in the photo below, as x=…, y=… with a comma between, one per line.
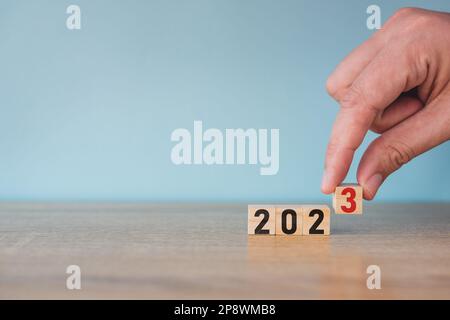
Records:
x=396, y=84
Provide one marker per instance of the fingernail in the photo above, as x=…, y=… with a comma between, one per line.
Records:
x=373, y=183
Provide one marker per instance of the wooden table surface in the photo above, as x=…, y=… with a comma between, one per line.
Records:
x=203, y=252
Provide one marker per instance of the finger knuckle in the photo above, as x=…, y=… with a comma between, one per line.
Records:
x=352, y=98
x=403, y=13
x=396, y=154
x=355, y=97
x=422, y=22
x=332, y=87
x=413, y=19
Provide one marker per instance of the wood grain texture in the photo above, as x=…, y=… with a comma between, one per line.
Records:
x=340, y=199
x=256, y=217
x=203, y=251
x=295, y=218
x=310, y=219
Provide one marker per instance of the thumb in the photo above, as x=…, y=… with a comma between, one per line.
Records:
x=397, y=146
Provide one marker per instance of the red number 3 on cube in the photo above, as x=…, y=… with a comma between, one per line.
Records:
x=347, y=199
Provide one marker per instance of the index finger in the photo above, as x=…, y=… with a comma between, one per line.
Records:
x=381, y=82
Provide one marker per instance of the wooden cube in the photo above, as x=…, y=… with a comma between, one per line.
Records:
x=316, y=220
x=289, y=220
x=347, y=199
x=261, y=219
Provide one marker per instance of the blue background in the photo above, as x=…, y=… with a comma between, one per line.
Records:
x=87, y=115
